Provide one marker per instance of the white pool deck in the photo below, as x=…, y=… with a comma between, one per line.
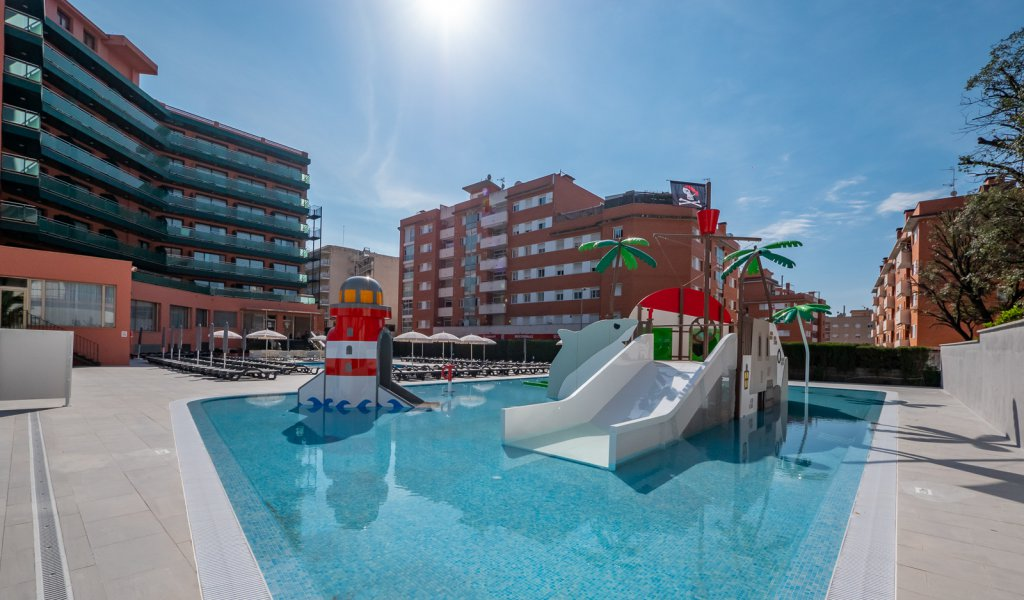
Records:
x=122, y=512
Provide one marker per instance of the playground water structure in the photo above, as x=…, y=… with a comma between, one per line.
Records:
x=749, y=509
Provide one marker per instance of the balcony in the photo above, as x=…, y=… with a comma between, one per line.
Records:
x=903, y=317
x=445, y=292
x=494, y=241
x=446, y=273
x=225, y=269
x=22, y=21
x=887, y=325
x=188, y=286
x=444, y=253
x=888, y=302
x=904, y=288
x=493, y=264
x=447, y=234
x=84, y=202
x=85, y=84
x=444, y=311
x=447, y=212
x=498, y=285
x=494, y=220
x=492, y=309
x=904, y=259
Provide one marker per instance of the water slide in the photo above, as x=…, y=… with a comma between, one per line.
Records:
x=629, y=407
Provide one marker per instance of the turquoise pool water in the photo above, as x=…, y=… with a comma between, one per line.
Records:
x=430, y=504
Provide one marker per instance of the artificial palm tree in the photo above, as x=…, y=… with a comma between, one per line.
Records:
x=806, y=312
x=621, y=252
x=748, y=261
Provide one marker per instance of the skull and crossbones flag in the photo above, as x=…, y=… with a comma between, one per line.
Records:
x=691, y=195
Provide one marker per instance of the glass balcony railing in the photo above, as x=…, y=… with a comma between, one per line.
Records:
x=20, y=116
x=158, y=133
x=230, y=269
x=137, y=188
x=83, y=200
x=22, y=213
x=218, y=183
x=22, y=69
x=19, y=164
x=188, y=286
x=22, y=21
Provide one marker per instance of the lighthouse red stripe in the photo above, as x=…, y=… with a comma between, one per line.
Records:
x=351, y=367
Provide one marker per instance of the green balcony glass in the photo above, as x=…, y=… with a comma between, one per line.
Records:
x=22, y=69
x=22, y=21
x=20, y=116
x=19, y=164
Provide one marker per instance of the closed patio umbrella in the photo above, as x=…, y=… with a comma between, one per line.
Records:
x=443, y=336
x=413, y=337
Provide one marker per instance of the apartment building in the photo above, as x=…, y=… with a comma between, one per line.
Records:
x=782, y=296
x=329, y=267
x=211, y=219
x=505, y=261
x=899, y=317
x=853, y=327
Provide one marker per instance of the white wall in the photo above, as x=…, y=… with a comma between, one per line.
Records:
x=988, y=375
x=35, y=365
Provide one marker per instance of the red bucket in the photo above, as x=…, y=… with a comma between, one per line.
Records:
x=707, y=220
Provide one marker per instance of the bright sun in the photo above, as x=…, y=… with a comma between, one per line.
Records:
x=447, y=15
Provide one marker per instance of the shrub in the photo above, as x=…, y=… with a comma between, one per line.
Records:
x=852, y=363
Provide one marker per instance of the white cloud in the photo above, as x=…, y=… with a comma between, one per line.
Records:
x=785, y=229
x=898, y=201
x=832, y=195
x=753, y=200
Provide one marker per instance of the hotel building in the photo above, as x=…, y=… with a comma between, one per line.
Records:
x=212, y=222
x=852, y=327
x=783, y=296
x=900, y=317
x=330, y=266
x=505, y=261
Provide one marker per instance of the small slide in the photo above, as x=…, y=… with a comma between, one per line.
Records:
x=629, y=407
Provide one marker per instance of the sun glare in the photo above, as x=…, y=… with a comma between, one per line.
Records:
x=447, y=15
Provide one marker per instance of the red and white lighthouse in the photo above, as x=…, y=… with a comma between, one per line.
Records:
x=352, y=346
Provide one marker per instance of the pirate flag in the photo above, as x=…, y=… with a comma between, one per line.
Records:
x=690, y=195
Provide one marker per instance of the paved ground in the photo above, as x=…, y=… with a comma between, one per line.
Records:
x=118, y=489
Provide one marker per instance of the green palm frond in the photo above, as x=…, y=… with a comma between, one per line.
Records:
x=753, y=268
x=597, y=244
x=782, y=244
x=647, y=258
x=607, y=260
x=777, y=258
x=786, y=315
x=735, y=265
x=804, y=311
x=635, y=241
x=628, y=260
x=737, y=254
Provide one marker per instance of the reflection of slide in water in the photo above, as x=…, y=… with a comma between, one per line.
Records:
x=630, y=406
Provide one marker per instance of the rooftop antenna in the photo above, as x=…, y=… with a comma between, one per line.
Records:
x=952, y=186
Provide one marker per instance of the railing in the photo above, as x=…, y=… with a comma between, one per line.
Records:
x=446, y=252
x=494, y=241
x=447, y=233
x=492, y=264
x=446, y=273
x=492, y=309
x=22, y=69
x=492, y=220
x=75, y=74
x=22, y=21
x=499, y=285
x=445, y=292
x=83, y=347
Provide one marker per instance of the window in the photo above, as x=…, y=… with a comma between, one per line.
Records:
x=202, y=316
x=252, y=288
x=172, y=222
x=285, y=243
x=426, y=228
x=424, y=286
x=243, y=208
x=618, y=289
x=224, y=318
x=179, y=316
x=252, y=263
x=595, y=293
x=63, y=20
x=217, y=285
x=540, y=272
x=538, y=296
x=425, y=248
x=617, y=232
x=542, y=201
x=89, y=40
x=207, y=257
x=577, y=294
x=144, y=316
x=426, y=266
x=252, y=237
x=204, y=228
x=559, y=295
x=172, y=251
x=282, y=268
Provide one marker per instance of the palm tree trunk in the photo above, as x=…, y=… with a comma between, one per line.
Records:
x=807, y=354
x=615, y=273
x=764, y=283
x=739, y=345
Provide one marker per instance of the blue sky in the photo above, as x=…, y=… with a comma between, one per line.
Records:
x=817, y=121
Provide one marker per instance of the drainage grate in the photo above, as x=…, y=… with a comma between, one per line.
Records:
x=52, y=580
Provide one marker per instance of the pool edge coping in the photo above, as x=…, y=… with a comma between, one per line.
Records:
x=225, y=564
x=866, y=564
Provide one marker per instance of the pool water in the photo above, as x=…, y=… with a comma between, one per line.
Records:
x=430, y=504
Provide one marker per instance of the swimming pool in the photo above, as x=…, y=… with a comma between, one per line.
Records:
x=430, y=504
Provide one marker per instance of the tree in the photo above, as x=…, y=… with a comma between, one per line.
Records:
x=803, y=312
x=994, y=107
x=621, y=252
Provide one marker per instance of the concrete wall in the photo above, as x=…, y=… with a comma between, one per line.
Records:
x=35, y=365
x=988, y=377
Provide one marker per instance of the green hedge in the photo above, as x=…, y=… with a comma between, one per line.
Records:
x=854, y=363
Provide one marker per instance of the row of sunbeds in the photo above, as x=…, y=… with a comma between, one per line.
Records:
x=467, y=369
x=217, y=369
